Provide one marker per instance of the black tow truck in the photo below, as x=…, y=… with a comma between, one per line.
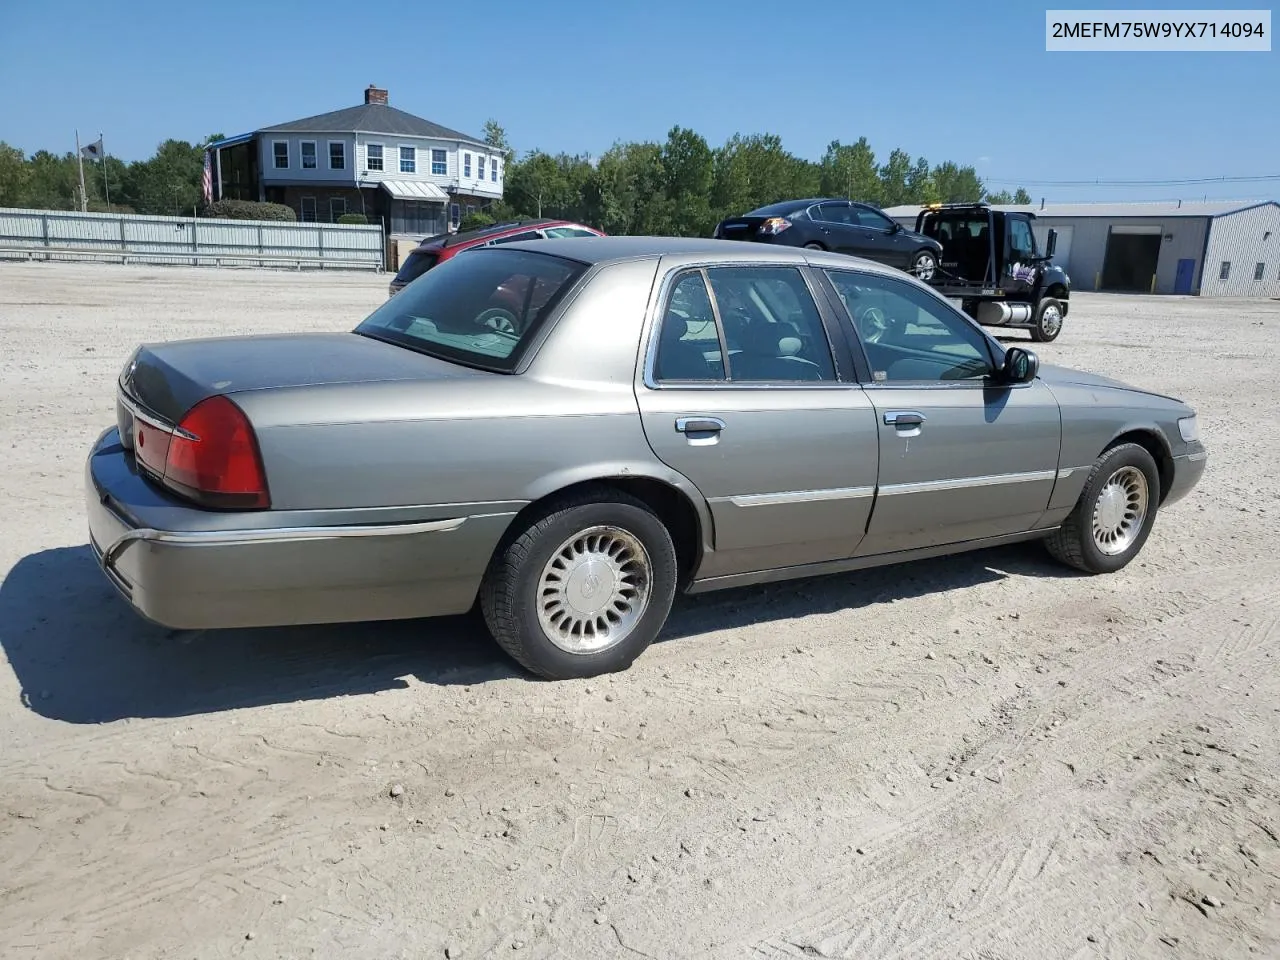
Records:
x=991, y=263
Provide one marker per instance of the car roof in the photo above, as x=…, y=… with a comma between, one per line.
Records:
x=443, y=241
x=601, y=250
x=784, y=206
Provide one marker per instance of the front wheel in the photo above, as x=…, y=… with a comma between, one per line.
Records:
x=584, y=589
x=924, y=265
x=1047, y=319
x=1114, y=515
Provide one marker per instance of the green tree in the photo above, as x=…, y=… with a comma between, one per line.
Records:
x=14, y=176
x=894, y=189
x=1021, y=196
x=688, y=171
x=920, y=184
x=1000, y=196
x=957, y=184
x=496, y=137
x=850, y=171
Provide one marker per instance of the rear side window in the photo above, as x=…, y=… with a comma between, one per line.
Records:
x=568, y=232
x=526, y=235
x=416, y=264
x=482, y=310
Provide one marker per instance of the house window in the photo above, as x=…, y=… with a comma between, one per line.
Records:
x=308, y=155
x=1258, y=270
x=337, y=155
x=471, y=208
x=308, y=210
x=1225, y=270
x=480, y=167
x=466, y=164
x=373, y=156
x=439, y=163
x=408, y=160
x=280, y=153
x=337, y=207
x=493, y=171
x=455, y=214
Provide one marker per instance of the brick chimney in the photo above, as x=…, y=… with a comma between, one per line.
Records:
x=374, y=94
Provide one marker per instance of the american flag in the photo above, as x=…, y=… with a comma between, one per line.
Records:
x=206, y=179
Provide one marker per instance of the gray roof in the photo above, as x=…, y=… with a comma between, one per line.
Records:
x=1161, y=208
x=615, y=248
x=371, y=118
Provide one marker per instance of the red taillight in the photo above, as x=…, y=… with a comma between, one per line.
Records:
x=213, y=457
x=774, y=226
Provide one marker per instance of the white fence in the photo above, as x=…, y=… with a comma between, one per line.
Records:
x=127, y=238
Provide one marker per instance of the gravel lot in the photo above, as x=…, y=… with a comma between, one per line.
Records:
x=977, y=757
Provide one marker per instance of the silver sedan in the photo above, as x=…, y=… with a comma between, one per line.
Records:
x=567, y=432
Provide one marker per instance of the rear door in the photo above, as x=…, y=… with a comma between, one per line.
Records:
x=742, y=392
x=962, y=456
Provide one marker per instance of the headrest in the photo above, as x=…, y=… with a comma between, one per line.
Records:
x=674, y=327
x=790, y=346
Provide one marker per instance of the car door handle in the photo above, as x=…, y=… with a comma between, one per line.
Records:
x=903, y=418
x=699, y=425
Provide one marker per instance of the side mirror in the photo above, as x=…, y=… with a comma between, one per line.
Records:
x=1020, y=365
x=895, y=227
x=1051, y=243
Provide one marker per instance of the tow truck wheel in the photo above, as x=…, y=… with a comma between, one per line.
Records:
x=923, y=265
x=1048, y=320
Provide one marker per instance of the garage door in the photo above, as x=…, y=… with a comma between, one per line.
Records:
x=1062, y=255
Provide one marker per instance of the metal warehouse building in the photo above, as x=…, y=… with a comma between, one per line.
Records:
x=1220, y=248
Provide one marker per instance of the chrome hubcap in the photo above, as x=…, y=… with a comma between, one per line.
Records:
x=924, y=267
x=1051, y=320
x=1119, y=511
x=594, y=589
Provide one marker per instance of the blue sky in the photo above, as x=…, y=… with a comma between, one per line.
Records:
x=950, y=80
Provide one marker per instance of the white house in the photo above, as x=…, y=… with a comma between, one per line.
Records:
x=414, y=176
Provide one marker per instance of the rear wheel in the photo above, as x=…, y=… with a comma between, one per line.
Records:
x=1047, y=319
x=584, y=589
x=812, y=245
x=923, y=265
x=1114, y=515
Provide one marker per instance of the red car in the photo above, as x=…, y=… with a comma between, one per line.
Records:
x=439, y=248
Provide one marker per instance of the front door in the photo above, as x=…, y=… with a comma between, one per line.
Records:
x=839, y=225
x=962, y=457
x=741, y=394
x=878, y=237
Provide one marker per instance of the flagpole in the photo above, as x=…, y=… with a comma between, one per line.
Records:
x=106, y=188
x=84, y=199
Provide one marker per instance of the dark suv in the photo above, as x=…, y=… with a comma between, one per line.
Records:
x=842, y=226
x=437, y=249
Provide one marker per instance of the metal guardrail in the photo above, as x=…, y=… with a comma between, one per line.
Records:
x=190, y=259
x=128, y=238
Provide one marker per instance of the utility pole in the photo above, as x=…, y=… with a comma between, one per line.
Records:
x=84, y=198
x=106, y=188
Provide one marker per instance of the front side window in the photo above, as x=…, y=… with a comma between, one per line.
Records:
x=482, y=309
x=337, y=155
x=526, y=235
x=770, y=329
x=1022, y=245
x=280, y=154
x=568, y=232
x=308, y=155
x=908, y=334
x=408, y=160
x=872, y=218
x=373, y=156
x=439, y=163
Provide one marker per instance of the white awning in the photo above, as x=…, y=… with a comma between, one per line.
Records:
x=414, y=190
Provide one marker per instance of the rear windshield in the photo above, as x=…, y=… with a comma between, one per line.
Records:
x=416, y=264
x=482, y=310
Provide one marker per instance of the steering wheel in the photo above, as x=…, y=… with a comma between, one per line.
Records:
x=497, y=318
x=873, y=325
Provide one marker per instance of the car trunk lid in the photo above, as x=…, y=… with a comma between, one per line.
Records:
x=163, y=381
x=740, y=228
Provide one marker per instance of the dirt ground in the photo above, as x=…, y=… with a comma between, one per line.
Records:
x=984, y=756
